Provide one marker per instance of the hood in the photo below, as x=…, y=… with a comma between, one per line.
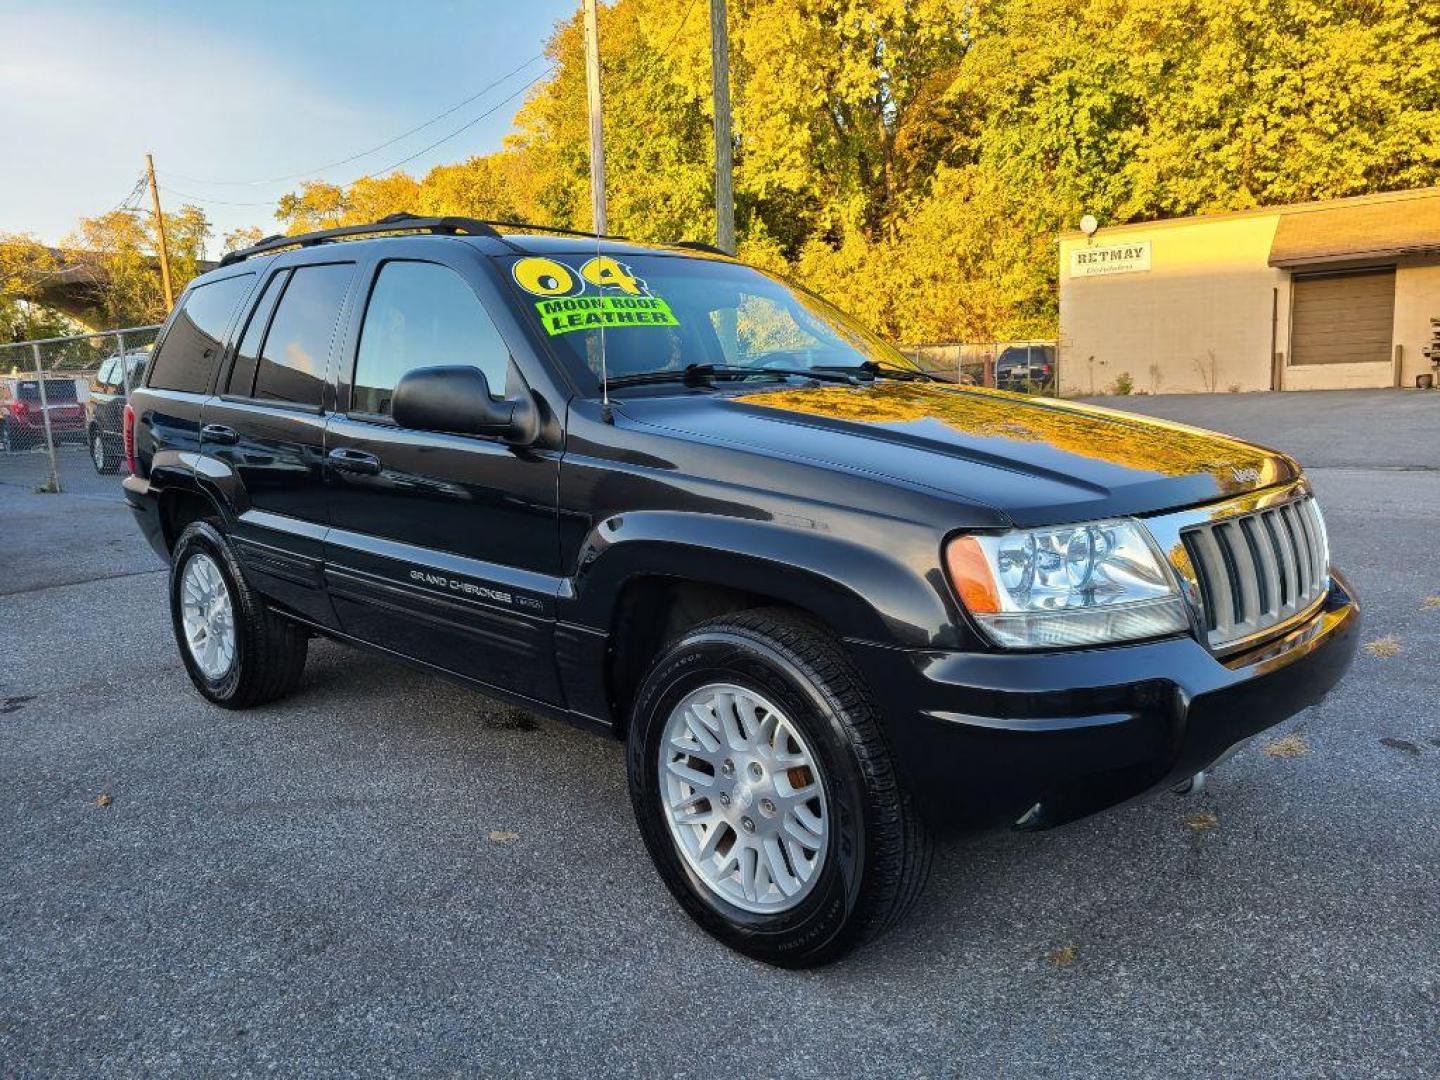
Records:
x=1036, y=460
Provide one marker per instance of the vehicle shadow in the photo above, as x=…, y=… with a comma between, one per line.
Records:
x=1023, y=899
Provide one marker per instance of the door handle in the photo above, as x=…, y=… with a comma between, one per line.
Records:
x=219, y=433
x=343, y=459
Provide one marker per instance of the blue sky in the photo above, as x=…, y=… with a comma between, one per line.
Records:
x=242, y=91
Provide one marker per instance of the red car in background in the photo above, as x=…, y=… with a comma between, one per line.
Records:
x=22, y=418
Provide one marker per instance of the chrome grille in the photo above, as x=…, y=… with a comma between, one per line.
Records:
x=1257, y=570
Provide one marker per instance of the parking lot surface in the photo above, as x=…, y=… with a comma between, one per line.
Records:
x=388, y=873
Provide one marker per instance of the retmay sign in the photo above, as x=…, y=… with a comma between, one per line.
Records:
x=1098, y=259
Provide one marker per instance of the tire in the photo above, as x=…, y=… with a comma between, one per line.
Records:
x=268, y=656
x=876, y=850
x=102, y=453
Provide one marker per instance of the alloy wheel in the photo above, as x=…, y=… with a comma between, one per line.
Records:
x=744, y=798
x=208, y=616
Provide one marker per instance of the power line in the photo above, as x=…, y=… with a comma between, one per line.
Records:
x=463, y=127
x=549, y=70
x=389, y=168
x=132, y=200
x=206, y=199
x=374, y=149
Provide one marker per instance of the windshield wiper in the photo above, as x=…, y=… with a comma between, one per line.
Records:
x=887, y=371
x=705, y=374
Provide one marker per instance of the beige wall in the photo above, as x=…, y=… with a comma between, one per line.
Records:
x=1417, y=301
x=1200, y=315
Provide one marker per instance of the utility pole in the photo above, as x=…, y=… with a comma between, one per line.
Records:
x=720, y=90
x=160, y=229
x=597, y=131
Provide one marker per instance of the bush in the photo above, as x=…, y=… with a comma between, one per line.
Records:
x=1124, y=384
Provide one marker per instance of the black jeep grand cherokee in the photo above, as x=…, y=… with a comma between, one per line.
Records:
x=833, y=607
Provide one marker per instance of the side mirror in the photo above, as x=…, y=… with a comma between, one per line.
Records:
x=458, y=400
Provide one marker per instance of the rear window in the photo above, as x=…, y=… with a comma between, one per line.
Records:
x=55, y=390
x=191, y=350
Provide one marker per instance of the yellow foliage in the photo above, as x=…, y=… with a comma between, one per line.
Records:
x=913, y=159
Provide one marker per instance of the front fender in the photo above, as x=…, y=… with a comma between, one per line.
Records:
x=883, y=589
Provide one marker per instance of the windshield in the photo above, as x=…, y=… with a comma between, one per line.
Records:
x=665, y=313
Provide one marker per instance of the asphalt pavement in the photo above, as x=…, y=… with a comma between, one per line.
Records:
x=391, y=874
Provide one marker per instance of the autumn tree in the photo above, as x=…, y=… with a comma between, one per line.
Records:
x=117, y=255
x=26, y=266
x=235, y=239
x=914, y=159
x=317, y=205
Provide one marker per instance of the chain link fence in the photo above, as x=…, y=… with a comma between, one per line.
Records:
x=62, y=400
x=1027, y=366
x=62, y=405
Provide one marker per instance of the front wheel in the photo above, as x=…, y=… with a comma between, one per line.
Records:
x=765, y=791
x=102, y=453
x=237, y=651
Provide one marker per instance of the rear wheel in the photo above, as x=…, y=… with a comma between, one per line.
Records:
x=766, y=794
x=237, y=652
x=102, y=452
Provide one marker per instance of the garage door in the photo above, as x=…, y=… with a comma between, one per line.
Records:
x=1343, y=318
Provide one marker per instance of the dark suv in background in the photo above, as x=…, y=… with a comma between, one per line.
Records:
x=1028, y=366
x=105, y=408
x=832, y=607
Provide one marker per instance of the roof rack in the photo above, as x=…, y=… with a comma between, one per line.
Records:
x=390, y=223
x=400, y=222
x=701, y=245
x=552, y=229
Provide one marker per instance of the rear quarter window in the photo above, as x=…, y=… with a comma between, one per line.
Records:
x=190, y=353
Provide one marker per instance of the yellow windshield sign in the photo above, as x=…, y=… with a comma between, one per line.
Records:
x=569, y=313
x=579, y=300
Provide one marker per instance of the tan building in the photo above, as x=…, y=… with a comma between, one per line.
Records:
x=1324, y=295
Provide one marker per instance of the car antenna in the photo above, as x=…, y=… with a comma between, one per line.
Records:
x=606, y=413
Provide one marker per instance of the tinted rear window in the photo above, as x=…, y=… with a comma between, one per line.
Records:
x=191, y=350
x=55, y=390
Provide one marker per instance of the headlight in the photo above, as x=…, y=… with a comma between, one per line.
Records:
x=1085, y=584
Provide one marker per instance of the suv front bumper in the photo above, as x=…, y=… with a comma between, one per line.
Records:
x=1039, y=739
